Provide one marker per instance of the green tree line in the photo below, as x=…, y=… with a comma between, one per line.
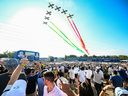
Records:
x=121, y=57
x=8, y=54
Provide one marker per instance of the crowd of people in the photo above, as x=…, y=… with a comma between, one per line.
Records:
x=26, y=78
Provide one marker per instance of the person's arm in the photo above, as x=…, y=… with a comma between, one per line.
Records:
x=38, y=67
x=102, y=93
x=17, y=71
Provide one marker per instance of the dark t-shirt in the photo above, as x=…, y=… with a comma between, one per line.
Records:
x=31, y=84
x=117, y=81
x=4, y=78
x=123, y=74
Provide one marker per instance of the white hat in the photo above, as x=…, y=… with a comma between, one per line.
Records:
x=18, y=88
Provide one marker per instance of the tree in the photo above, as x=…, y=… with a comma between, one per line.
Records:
x=3, y=56
x=10, y=54
x=85, y=55
x=123, y=57
x=7, y=54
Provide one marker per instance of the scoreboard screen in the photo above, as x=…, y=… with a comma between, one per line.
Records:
x=31, y=55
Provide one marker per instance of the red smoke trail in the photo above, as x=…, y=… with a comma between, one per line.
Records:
x=78, y=34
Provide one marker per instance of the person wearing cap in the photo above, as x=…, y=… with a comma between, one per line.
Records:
x=123, y=72
x=32, y=77
x=122, y=91
x=116, y=80
x=15, y=86
x=10, y=65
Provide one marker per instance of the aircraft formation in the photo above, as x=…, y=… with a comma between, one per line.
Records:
x=60, y=33
x=57, y=8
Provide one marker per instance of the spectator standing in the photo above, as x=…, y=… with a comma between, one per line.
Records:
x=72, y=76
x=116, y=80
x=17, y=87
x=89, y=75
x=97, y=80
x=50, y=89
x=122, y=91
x=82, y=75
x=10, y=65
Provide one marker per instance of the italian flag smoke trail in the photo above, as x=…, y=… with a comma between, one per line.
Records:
x=78, y=34
x=65, y=38
x=73, y=29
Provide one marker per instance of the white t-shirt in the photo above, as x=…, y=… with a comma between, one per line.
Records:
x=71, y=74
x=120, y=91
x=76, y=69
x=55, y=92
x=97, y=77
x=110, y=70
x=17, y=89
x=88, y=74
x=82, y=76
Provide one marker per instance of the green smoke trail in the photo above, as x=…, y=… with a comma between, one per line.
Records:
x=65, y=38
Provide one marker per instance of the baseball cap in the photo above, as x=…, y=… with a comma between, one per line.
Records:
x=11, y=64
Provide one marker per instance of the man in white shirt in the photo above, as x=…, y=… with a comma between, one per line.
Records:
x=50, y=89
x=76, y=69
x=82, y=75
x=72, y=75
x=89, y=74
x=97, y=78
x=110, y=70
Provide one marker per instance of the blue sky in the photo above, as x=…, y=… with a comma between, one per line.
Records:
x=103, y=25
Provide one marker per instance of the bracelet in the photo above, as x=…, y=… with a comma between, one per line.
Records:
x=23, y=65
